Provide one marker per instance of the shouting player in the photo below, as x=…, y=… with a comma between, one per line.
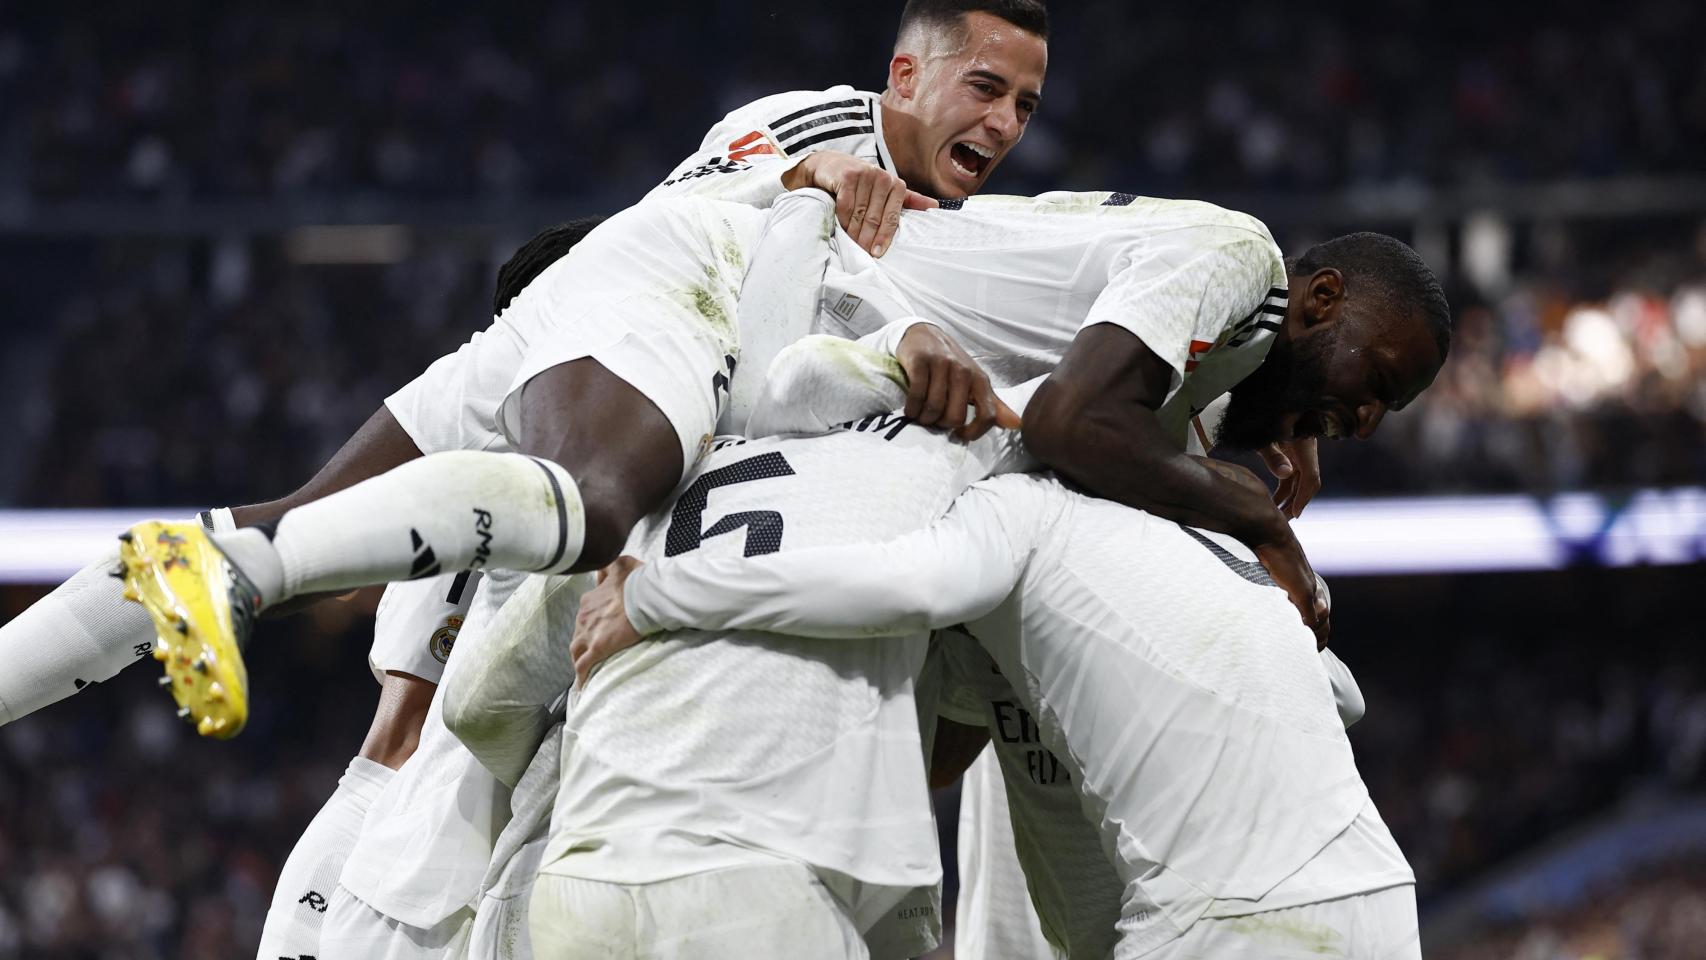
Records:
x=964, y=80
x=962, y=72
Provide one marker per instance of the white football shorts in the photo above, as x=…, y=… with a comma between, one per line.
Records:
x=652, y=295
x=416, y=625
x=775, y=911
x=355, y=931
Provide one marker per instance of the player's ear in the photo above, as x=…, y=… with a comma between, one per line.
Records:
x=903, y=75
x=1325, y=295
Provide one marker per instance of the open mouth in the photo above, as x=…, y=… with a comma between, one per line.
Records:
x=970, y=159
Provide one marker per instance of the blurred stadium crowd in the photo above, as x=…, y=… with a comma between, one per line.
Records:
x=557, y=99
x=1662, y=915
x=1575, y=367
x=207, y=367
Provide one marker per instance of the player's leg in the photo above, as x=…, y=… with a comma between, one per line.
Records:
x=566, y=504
x=310, y=874
x=618, y=362
x=414, y=631
x=80, y=634
x=413, y=634
x=84, y=632
x=379, y=445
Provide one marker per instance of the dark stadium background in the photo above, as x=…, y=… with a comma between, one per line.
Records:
x=228, y=230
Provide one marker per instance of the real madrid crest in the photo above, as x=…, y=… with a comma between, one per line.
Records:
x=444, y=638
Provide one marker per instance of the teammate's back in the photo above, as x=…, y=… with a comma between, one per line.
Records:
x=1014, y=279
x=706, y=751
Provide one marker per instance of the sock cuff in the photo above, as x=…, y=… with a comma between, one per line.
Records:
x=571, y=517
x=218, y=520
x=365, y=777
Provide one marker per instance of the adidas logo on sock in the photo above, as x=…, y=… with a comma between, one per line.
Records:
x=426, y=562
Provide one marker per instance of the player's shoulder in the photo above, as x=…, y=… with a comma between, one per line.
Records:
x=778, y=110
x=1116, y=215
x=1156, y=213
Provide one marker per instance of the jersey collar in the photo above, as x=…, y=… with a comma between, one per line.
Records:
x=883, y=159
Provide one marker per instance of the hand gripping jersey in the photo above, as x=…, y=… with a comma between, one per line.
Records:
x=744, y=156
x=1013, y=280
x=1181, y=696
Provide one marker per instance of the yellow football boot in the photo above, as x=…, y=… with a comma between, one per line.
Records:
x=204, y=610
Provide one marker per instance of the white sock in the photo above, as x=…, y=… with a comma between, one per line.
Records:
x=254, y=554
x=310, y=873
x=81, y=633
x=459, y=510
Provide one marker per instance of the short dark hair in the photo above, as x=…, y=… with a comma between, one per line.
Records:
x=535, y=255
x=1392, y=269
x=1028, y=15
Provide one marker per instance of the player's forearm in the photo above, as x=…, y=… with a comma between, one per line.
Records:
x=831, y=593
x=932, y=578
x=1119, y=450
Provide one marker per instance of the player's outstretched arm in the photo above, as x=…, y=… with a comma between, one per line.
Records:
x=957, y=569
x=1095, y=421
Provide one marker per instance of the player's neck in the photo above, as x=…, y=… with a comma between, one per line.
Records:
x=899, y=130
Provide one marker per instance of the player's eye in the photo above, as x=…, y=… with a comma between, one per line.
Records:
x=984, y=88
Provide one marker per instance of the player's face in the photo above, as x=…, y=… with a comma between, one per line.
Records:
x=972, y=102
x=1332, y=381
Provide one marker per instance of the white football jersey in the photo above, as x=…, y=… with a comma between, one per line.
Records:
x=994, y=918
x=1013, y=280
x=1173, y=684
x=1073, y=892
x=743, y=157
x=700, y=751
x=1066, y=874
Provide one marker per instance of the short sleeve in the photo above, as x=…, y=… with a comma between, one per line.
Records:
x=1186, y=293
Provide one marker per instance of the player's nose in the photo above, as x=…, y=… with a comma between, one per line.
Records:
x=1003, y=121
